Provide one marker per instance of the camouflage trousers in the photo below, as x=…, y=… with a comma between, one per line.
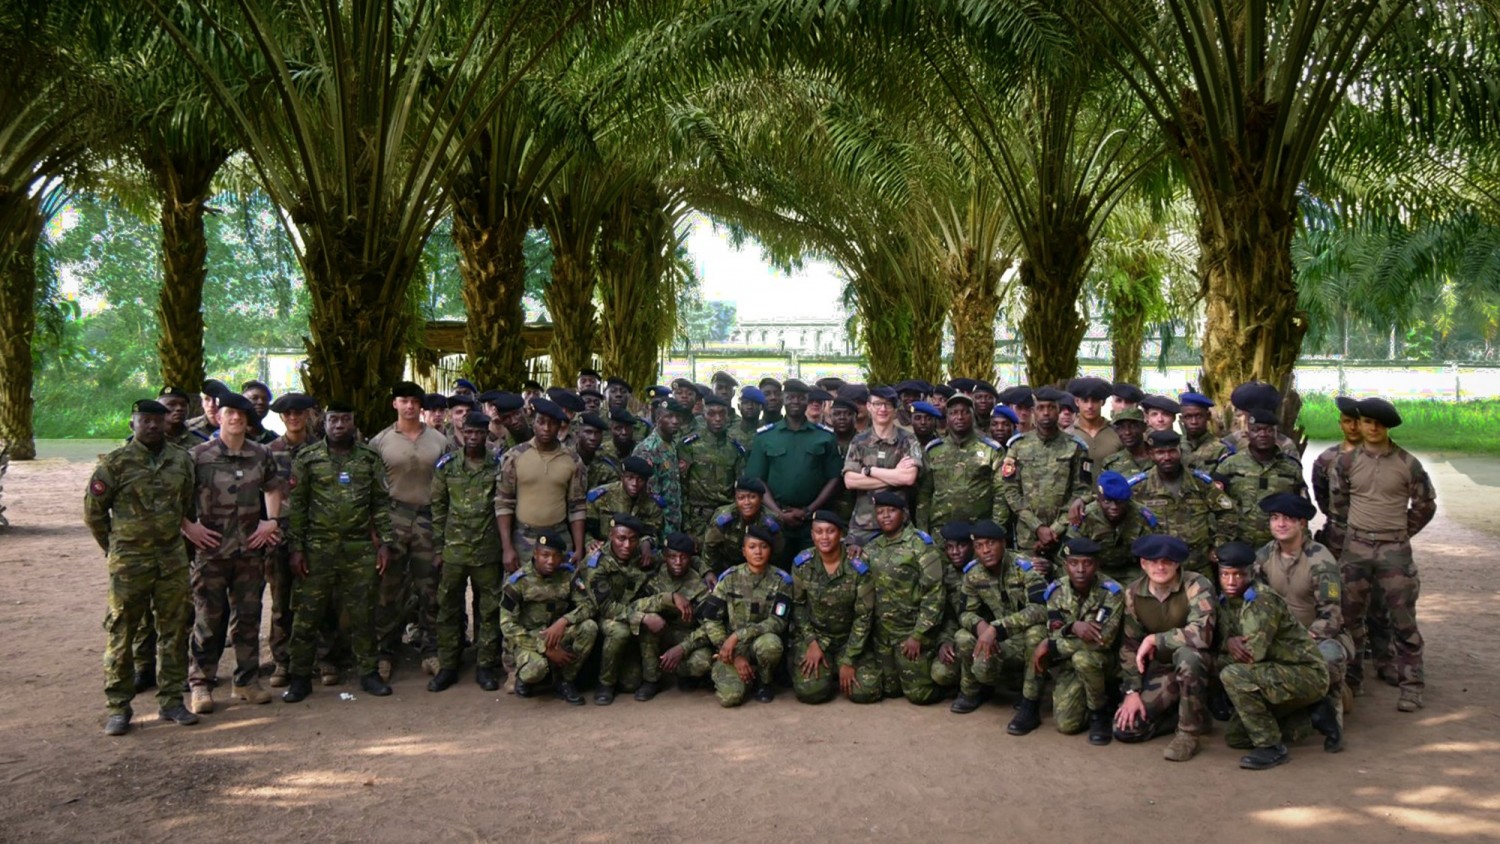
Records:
x=136, y=584
x=619, y=657
x=764, y=652
x=824, y=685
x=1080, y=684
x=947, y=675
x=342, y=572
x=333, y=647
x=1385, y=569
x=145, y=628
x=408, y=589
x=1261, y=692
x=532, y=665
x=695, y=663
x=223, y=587
x=902, y=677
x=1174, y=691
x=1012, y=655
x=457, y=575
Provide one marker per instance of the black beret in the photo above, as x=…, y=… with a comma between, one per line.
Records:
x=755, y=485
x=1379, y=410
x=529, y=384
x=956, y=531
x=1089, y=387
x=986, y=529
x=703, y=390
x=761, y=532
x=289, y=402
x=721, y=375
x=569, y=401
x=1236, y=555
x=818, y=394
x=832, y=518
x=338, y=406
x=625, y=520
x=1050, y=394
x=507, y=402
x=792, y=385
x=618, y=382
x=594, y=420
x=768, y=380
x=1163, y=439
x=1068, y=401
x=148, y=406
x=1255, y=394
x=175, y=392
x=488, y=396
x=830, y=383
x=984, y=387
x=407, y=390
x=549, y=408
x=1126, y=392
x=213, y=387
x=1262, y=416
x=434, y=401
x=882, y=392
x=624, y=417
x=683, y=382
x=677, y=407
x=1160, y=403
x=637, y=466
x=235, y=401
x=1081, y=546
x=550, y=539
x=846, y=404
x=945, y=391
x=1017, y=397
x=857, y=393
x=1155, y=546
x=592, y=373
x=476, y=420
x=591, y=394
x=466, y=384
x=460, y=400
x=890, y=498
x=681, y=543
x=912, y=385
x=714, y=401
x=1288, y=504
x=255, y=384
x=963, y=385
x=1348, y=406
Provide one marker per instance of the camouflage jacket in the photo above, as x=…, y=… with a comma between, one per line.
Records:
x=1103, y=603
x=1247, y=481
x=463, y=508
x=1010, y=596
x=229, y=486
x=1115, y=560
x=530, y=603
x=838, y=610
x=1203, y=452
x=1196, y=631
x=867, y=450
x=1336, y=523
x=1238, y=441
x=1272, y=634
x=1422, y=498
x=725, y=535
x=137, y=499
x=961, y=481
x=907, y=570
x=1311, y=584
x=749, y=605
x=187, y=438
x=953, y=601
x=615, y=584
x=742, y=431
x=607, y=500
x=1127, y=464
x=657, y=597
x=665, y=457
x=338, y=498
x=1042, y=477
x=710, y=466
x=1195, y=511
x=603, y=469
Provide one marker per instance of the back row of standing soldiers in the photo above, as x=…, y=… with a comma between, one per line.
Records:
x=657, y=541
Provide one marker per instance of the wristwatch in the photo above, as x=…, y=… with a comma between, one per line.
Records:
x=865, y=471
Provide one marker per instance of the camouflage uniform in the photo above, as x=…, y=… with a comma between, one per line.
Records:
x=135, y=505
x=837, y=611
x=202, y=426
x=1127, y=464
x=337, y=501
x=658, y=598
x=1332, y=536
x=408, y=589
x=1312, y=587
x=1175, y=685
x=1287, y=676
x=1195, y=511
x=868, y=450
x=465, y=537
x=665, y=457
x=232, y=576
x=1115, y=560
x=1247, y=480
x=742, y=431
x=1238, y=441
x=710, y=467
x=726, y=534
x=961, y=482
x=615, y=585
x=1378, y=559
x=755, y=607
x=279, y=574
x=1082, y=669
x=1202, y=453
x=907, y=571
x=145, y=628
x=602, y=470
x=1040, y=479
x=948, y=674
x=529, y=604
x=1009, y=598
x=604, y=501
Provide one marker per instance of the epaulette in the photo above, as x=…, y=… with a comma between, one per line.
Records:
x=989, y=442
x=568, y=567
x=1112, y=587
x=825, y=427
x=764, y=428
x=520, y=573
x=1023, y=564
x=1051, y=587
x=1149, y=516
x=926, y=537
x=934, y=441
x=445, y=459
x=1012, y=441
x=690, y=439
x=801, y=559
x=786, y=576
x=497, y=455
x=1202, y=476
x=859, y=565
x=972, y=564
x=728, y=572
x=738, y=447
x=1081, y=444
x=593, y=561
x=771, y=524
x=1250, y=595
x=595, y=494
x=202, y=436
x=1229, y=448
x=1136, y=478
x=661, y=501
x=723, y=520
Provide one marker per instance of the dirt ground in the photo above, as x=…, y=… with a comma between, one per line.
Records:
x=470, y=765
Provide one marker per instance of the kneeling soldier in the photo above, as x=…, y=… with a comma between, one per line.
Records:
x=669, y=613
x=616, y=576
x=546, y=616
x=908, y=574
x=1083, y=620
x=833, y=604
x=745, y=619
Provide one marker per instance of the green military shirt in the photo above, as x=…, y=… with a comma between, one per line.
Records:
x=1127, y=464
x=794, y=463
x=1192, y=509
x=1115, y=538
x=753, y=605
x=338, y=498
x=1247, y=480
x=1203, y=452
x=1040, y=478
x=1102, y=603
x=711, y=465
x=614, y=584
x=838, y=609
x=602, y=470
x=605, y=501
x=1011, y=596
x=908, y=574
x=463, y=508
x=138, y=498
x=961, y=481
x=725, y=535
x=530, y=603
x=229, y=485
x=1272, y=634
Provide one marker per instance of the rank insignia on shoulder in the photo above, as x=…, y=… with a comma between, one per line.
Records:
x=935, y=441
x=1112, y=587
x=925, y=536
x=825, y=427
x=971, y=564
x=690, y=439
x=859, y=565
x=764, y=428
x=771, y=524
x=1051, y=587
x=723, y=520
x=445, y=459
x=1023, y=564
x=1136, y=478
x=1250, y=594
x=594, y=494
x=1203, y=476
x=801, y=559
x=1013, y=437
x=515, y=576
x=1149, y=516
x=739, y=448
x=593, y=561
x=785, y=576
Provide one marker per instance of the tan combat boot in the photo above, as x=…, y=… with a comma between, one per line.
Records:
x=384, y=668
x=252, y=693
x=202, y=700
x=279, y=676
x=1184, y=746
x=430, y=666
x=1411, y=701
x=329, y=674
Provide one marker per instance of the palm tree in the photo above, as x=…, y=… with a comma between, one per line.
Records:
x=642, y=272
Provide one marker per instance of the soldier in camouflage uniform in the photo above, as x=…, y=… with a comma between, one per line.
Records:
x=178, y=433
x=958, y=550
x=339, y=501
x=207, y=423
x=138, y=504
x=1166, y=649
x=1043, y=473
x=725, y=535
x=745, y=619
x=588, y=438
x=842, y=415
x=962, y=477
x=630, y=494
x=883, y=457
x=1084, y=614
x=1261, y=469
x=711, y=462
x=623, y=430
x=295, y=410
x=1269, y=666
x=616, y=575
x=1003, y=422
x=1134, y=455
x=663, y=450
x=1115, y=522
x=237, y=484
x=546, y=619
x=1250, y=396
x=752, y=404
x=1001, y=625
x=833, y=607
x=1201, y=447
x=1187, y=505
x=907, y=570
x=667, y=615
x=466, y=543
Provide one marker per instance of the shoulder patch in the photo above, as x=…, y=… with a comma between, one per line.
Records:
x=595, y=494
x=1051, y=587
x=925, y=536
x=690, y=439
x=1228, y=448
x=97, y=488
x=1112, y=587
x=859, y=565
x=935, y=441
x=1081, y=444
x=764, y=428
x=723, y=520
x=728, y=572
x=519, y=573
x=738, y=447
x=989, y=442
x=786, y=576
x=593, y=561
x=824, y=427
x=1250, y=595
x=771, y=524
x=1149, y=517
x=801, y=559
x=1202, y=476
x=661, y=501
x=1023, y=564
x=971, y=564
x=1136, y=478
x=445, y=459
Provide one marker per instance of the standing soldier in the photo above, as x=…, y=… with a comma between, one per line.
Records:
x=711, y=461
x=1114, y=522
x=138, y=506
x=622, y=434
x=908, y=574
x=1022, y=402
x=466, y=551
x=295, y=410
x=435, y=412
x=616, y=574
x=1166, y=649
x=339, y=503
x=1160, y=412
x=1084, y=613
x=178, y=433
x=882, y=458
x=1389, y=499
x=1091, y=427
x=843, y=416
x=745, y=619
x=663, y=450
x=926, y=419
x=799, y=464
x=667, y=616
x=1134, y=454
x=237, y=483
x=546, y=619
x=962, y=480
x=1186, y=505
x=588, y=379
x=1044, y=471
x=771, y=389
x=725, y=534
x=723, y=386
x=1250, y=396
x=208, y=422
x=833, y=604
x=1261, y=469
x=588, y=438
x=1337, y=523
x=985, y=399
x=1123, y=396
x=752, y=404
x=540, y=490
x=1003, y=422
x=1201, y=450
x=459, y=406
x=630, y=494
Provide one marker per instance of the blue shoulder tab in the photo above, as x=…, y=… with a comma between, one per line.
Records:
x=445, y=459
x=989, y=442
x=199, y=434
x=739, y=448
x=1228, y=448
x=971, y=564
x=1149, y=516
x=723, y=520
x=595, y=494
x=859, y=565
x=728, y=572
x=568, y=567
x=1112, y=587
x=593, y=561
x=690, y=439
x=520, y=573
x=1051, y=587
x=661, y=501
x=1012, y=441
x=771, y=524
x=608, y=461
x=926, y=537
x=764, y=428
x=935, y=441
x=1136, y=478
x=1202, y=476
x=1023, y=564
x=826, y=428
x=1250, y=595
x=801, y=559
x=786, y=576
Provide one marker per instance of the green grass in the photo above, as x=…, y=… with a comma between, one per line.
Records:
x=1471, y=427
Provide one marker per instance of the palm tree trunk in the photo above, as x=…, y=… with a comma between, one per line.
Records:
x=929, y=311
x=975, y=303
x=637, y=311
x=183, y=184
x=492, y=267
x=21, y=224
x=1127, y=331
x=570, y=296
x=1052, y=328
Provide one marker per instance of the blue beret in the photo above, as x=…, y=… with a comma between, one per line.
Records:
x=1112, y=485
x=464, y=382
x=753, y=394
x=1002, y=410
x=1288, y=504
x=1195, y=398
x=1155, y=546
x=657, y=391
x=927, y=408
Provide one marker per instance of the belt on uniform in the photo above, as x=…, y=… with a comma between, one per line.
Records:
x=1378, y=535
x=420, y=510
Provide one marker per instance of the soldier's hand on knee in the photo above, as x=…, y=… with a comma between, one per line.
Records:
x=671, y=659
x=1131, y=712
x=653, y=622
x=1040, y=655
x=848, y=680
x=560, y=656
x=911, y=648
x=1239, y=650
x=946, y=654
x=743, y=668
x=552, y=637
x=813, y=661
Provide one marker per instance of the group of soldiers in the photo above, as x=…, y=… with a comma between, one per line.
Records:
x=919, y=541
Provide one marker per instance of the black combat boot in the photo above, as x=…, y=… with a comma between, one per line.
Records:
x=605, y=696
x=1101, y=731
x=647, y=691
x=1262, y=758
x=1325, y=719
x=486, y=679
x=374, y=685
x=766, y=693
x=298, y=687
x=179, y=715
x=964, y=704
x=441, y=680
x=569, y=692
x=118, y=723
x=522, y=688
x=1028, y=717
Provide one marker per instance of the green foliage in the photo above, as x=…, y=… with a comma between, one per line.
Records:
x=707, y=321
x=1426, y=425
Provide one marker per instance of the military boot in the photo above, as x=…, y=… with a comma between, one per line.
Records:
x=118, y=724
x=1028, y=717
x=1325, y=719
x=766, y=693
x=522, y=688
x=279, y=677
x=605, y=696
x=374, y=684
x=145, y=679
x=330, y=675
x=202, y=700
x=486, y=679
x=1184, y=746
x=1101, y=731
x=440, y=681
x=384, y=668
x=1262, y=758
x=569, y=692
x=1411, y=701
x=431, y=666
x=648, y=690
x=964, y=704
x=179, y=715
x=251, y=692
x=298, y=687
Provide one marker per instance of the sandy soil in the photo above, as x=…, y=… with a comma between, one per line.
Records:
x=469, y=765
